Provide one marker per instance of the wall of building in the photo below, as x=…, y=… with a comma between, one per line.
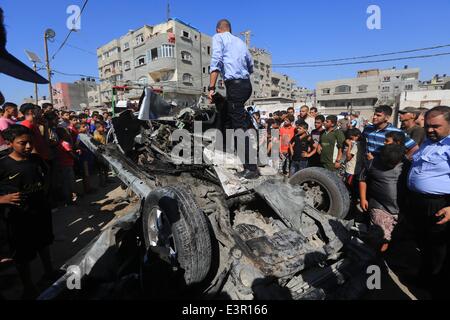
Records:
x=425, y=99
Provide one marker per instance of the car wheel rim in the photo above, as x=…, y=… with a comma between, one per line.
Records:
x=160, y=232
x=317, y=195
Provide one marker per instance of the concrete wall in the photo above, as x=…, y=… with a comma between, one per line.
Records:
x=425, y=99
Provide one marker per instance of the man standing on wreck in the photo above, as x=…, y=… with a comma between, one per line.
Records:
x=231, y=58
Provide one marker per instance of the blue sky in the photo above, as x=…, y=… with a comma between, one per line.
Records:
x=293, y=30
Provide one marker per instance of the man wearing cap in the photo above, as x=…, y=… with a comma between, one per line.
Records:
x=231, y=58
x=408, y=117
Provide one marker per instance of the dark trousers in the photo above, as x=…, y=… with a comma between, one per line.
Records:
x=433, y=240
x=238, y=92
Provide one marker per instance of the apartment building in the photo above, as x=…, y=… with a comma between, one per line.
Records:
x=437, y=83
x=174, y=58
x=368, y=89
x=73, y=96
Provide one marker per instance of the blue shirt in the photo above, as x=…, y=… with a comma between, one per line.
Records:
x=230, y=56
x=375, y=138
x=430, y=171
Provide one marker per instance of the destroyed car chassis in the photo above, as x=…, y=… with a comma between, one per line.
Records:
x=271, y=240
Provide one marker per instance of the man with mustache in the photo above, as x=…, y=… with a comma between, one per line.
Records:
x=429, y=183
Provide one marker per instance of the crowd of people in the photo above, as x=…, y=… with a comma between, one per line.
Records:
x=394, y=175
x=41, y=157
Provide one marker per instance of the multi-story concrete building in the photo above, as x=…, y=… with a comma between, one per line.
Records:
x=368, y=89
x=73, y=96
x=437, y=83
x=174, y=58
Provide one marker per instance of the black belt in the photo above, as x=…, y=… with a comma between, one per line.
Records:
x=237, y=81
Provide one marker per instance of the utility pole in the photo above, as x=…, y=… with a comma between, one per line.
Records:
x=247, y=35
x=49, y=34
x=35, y=86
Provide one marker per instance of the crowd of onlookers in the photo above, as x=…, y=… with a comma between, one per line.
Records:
x=41, y=158
x=395, y=175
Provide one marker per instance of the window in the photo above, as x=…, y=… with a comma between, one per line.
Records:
x=204, y=69
x=363, y=88
x=185, y=34
x=187, y=78
x=186, y=56
x=143, y=81
x=127, y=65
x=386, y=79
x=139, y=39
x=209, y=50
x=409, y=87
x=343, y=89
x=256, y=64
x=385, y=89
x=140, y=61
x=167, y=50
x=126, y=46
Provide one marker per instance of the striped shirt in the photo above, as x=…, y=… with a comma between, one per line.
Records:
x=375, y=138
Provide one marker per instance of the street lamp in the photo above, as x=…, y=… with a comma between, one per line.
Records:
x=49, y=34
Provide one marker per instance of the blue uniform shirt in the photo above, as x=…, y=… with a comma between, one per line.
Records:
x=375, y=138
x=430, y=171
x=230, y=56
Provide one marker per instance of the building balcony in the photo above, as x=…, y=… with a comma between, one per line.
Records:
x=161, y=64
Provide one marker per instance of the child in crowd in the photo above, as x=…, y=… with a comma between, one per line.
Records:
x=380, y=192
x=23, y=187
x=100, y=137
x=354, y=156
x=395, y=137
x=287, y=133
x=301, y=148
x=66, y=160
x=86, y=159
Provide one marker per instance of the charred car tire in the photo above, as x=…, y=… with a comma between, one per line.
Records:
x=335, y=193
x=189, y=229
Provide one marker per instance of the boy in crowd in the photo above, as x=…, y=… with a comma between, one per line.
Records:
x=331, y=145
x=301, y=148
x=380, y=192
x=66, y=160
x=394, y=137
x=287, y=132
x=23, y=186
x=8, y=119
x=100, y=137
x=86, y=159
x=73, y=123
x=65, y=119
x=40, y=144
x=319, y=129
x=354, y=156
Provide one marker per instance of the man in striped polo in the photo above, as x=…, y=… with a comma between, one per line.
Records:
x=375, y=134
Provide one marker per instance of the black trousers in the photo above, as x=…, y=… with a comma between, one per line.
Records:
x=433, y=240
x=238, y=92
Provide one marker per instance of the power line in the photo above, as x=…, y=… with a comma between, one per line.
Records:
x=75, y=75
x=361, y=57
x=70, y=32
x=78, y=48
x=365, y=62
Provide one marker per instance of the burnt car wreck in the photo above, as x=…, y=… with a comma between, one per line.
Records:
x=270, y=238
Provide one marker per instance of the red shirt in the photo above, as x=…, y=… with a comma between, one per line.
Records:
x=41, y=146
x=286, y=135
x=73, y=133
x=65, y=158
